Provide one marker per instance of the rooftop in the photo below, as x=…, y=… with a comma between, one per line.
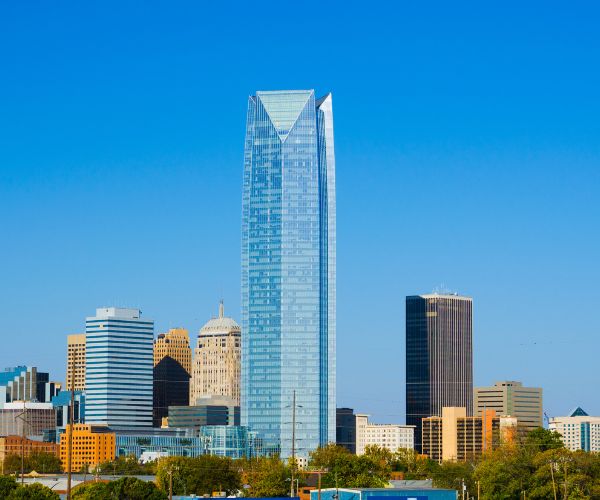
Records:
x=221, y=324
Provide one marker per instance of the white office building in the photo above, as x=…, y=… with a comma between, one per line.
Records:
x=390, y=436
x=579, y=431
x=118, y=368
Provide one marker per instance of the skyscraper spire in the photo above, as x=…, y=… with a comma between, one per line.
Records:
x=221, y=309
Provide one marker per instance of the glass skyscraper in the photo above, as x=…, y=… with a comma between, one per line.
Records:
x=288, y=271
x=118, y=368
x=439, y=356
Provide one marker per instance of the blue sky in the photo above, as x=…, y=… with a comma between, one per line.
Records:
x=468, y=154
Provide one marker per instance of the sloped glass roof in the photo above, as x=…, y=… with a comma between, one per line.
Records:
x=578, y=412
x=284, y=108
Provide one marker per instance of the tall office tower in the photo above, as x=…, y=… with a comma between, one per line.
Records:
x=216, y=367
x=172, y=368
x=288, y=270
x=118, y=368
x=439, y=356
x=512, y=399
x=76, y=361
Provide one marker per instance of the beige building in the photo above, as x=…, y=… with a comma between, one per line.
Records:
x=76, y=360
x=578, y=430
x=456, y=436
x=216, y=365
x=510, y=398
x=175, y=344
x=390, y=436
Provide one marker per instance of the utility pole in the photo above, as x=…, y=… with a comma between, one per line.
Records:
x=70, y=427
x=553, y=483
x=24, y=420
x=294, y=443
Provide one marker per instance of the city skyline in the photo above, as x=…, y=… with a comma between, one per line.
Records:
x=465, y=157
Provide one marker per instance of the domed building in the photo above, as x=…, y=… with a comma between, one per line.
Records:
x=216, y=364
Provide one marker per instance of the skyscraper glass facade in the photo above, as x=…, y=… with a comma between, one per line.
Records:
x=288, y=270
x=439, y=356
x=118, y=368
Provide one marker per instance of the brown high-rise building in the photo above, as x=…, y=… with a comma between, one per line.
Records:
x=439, y=356
x=216, y=369
x=76, y=361
x=172, y=366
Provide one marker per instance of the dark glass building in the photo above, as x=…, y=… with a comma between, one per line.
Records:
x=171, y=388
x=345, y=429
x=439, y=356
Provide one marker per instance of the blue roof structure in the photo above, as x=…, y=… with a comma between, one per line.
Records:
x=9, y=374
x=578, y=412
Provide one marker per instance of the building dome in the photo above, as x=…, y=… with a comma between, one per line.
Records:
x=220, y=325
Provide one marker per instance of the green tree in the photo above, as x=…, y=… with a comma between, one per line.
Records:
x=453, y=475
x=542, y=439
x=7, y=484
x=131, y=488
x=202, y=475
x=33, y=491
x=128, y=465
x=12, y=464
x=576, y=473
x=265, y=477
x=93, y=491
x=44, y=462
x=346, y=470
x=413, y=465
x=504, y=473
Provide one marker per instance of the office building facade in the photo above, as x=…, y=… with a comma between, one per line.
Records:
x=345, y=429
x=76, y=362
x=288, y=270
x=171, y=373
x=26, y=383
x=510, y=398
x=27, y=418
x=456, y=436
x=92, y=445
x=119, y=368
x=216, y=367
x=390, y=436
x=208, y=411
x=578, y=430
x=439, y=356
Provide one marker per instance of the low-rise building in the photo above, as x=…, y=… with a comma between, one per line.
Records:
x=233, y=441
x=390, y=436
x=26, y=418
x=17, y=445
x=578, y=430
x=212, y=410
x=403, y=493
x=91, y=445
x=456, y=436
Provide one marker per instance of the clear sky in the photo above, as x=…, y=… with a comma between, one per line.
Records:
x=468, y=156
